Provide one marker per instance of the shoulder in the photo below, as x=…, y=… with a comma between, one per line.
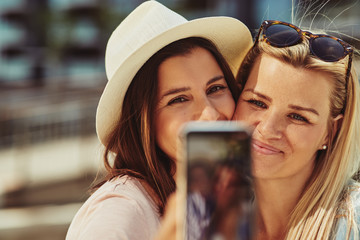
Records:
x=354, y=191
x=352, y=197
x=349, y=205
x=351, y=194
x=120, y=208
x=125, y=190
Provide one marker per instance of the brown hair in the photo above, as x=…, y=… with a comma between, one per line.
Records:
x=132, y=143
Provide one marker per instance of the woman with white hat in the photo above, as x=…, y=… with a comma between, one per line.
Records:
x=162, y=71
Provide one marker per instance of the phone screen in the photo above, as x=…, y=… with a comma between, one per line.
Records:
x=219, y=184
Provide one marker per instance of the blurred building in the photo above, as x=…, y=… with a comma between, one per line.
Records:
x=51, y=78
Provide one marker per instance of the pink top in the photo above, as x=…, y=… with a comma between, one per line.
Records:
x=119, y=209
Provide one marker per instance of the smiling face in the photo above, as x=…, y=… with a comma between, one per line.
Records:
x=190, y=87
x=289, y=109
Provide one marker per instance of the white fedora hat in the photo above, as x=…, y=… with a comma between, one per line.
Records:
x=147, y=29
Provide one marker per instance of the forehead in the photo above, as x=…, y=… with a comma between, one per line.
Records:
x=197, y=65
x=288, y=84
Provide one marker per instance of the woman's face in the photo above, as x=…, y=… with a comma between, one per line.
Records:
x=289, y=110
x=190, y=87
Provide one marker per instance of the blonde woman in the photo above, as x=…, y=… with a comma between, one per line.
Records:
x=301, y=95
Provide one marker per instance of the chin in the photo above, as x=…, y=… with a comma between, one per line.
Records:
x=266, y=168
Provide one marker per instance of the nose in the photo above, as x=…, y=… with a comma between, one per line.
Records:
x=270, y=126
x=208, y=112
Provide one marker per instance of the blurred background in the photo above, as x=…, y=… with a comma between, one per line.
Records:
x=51, y=77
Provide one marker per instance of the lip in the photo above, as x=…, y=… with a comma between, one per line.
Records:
x=264, y=148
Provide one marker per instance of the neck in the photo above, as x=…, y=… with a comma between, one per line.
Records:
x=276, y=199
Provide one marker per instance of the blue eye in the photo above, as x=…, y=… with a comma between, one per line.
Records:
x=257, y=103
x=179, y=99
x=298, y=117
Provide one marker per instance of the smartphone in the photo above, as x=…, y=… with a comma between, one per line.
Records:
x=215, y=181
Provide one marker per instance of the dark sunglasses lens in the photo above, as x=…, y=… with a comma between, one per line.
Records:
x=282, y=35
x=327, y=49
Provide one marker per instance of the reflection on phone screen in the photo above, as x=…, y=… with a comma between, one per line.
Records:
x=219, y=192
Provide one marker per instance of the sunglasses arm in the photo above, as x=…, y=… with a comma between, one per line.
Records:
x=258, y=35
x=348, y=70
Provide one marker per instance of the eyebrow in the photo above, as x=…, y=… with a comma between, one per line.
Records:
x=258, y=94
x=183, y=89
x=295, y=107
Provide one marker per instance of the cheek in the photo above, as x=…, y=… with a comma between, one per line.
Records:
x=225, y=105
x=230, y=108
x=167, y=129
x=242, y=113
x=306, y=139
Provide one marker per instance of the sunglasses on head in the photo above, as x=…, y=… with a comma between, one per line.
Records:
x=326, y=48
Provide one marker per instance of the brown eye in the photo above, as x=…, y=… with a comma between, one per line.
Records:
x=179, y=99
x=215, y=88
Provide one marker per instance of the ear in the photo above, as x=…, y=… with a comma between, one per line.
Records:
x=336, y=125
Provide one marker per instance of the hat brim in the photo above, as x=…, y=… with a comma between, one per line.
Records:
x=231, y=37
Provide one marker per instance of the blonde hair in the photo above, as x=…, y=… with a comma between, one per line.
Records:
x=325, y=197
